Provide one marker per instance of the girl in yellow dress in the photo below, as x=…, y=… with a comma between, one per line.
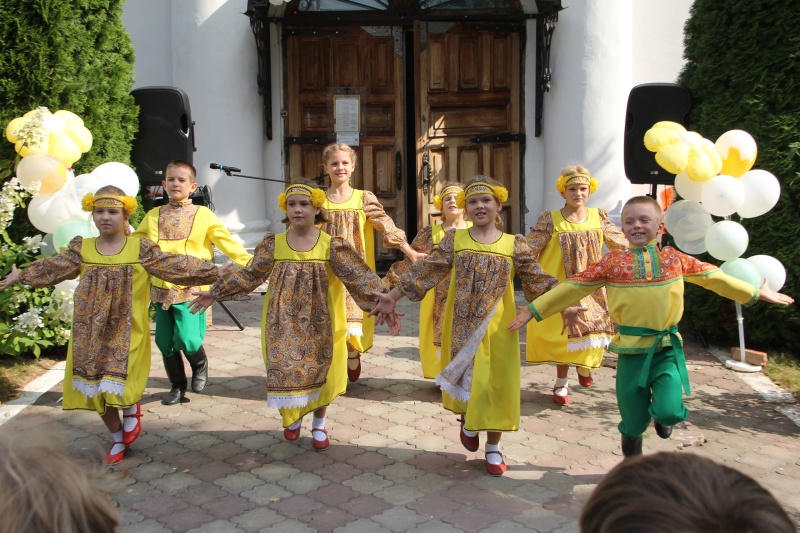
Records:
x=431, y=310
x=108, y=358
x=481, y=375
x=352, y=214
x=303, y=323
x=565, y=242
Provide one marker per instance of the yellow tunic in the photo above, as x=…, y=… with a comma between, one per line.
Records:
x=349, y=220
x=185, y=228
x=480, y=304
x=645, y=289
x=303, y=321
x=431, y=309
x=565, y=248
x=108, y=359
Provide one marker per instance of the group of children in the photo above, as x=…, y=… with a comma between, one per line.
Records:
x=323, y=297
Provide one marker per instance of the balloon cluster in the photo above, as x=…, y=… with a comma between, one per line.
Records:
x=49, y=144
x=716, y=179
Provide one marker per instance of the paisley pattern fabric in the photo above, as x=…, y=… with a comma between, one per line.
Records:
x=175, y=220
x=299, y=312
x=353, y=220
x=110, y=331
x=563, y=249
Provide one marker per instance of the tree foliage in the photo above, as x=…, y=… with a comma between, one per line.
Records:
x=743, y=70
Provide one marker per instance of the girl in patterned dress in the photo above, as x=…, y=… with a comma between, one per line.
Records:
x=431, y=309
x=566, y=241
x=304, y=322
x=352, y=215
x=481, y=376
x=108, y=358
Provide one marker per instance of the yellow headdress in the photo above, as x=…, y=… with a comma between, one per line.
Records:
x=317, y=195
x=576, y=179
x=90, y=201
x=450, y=189
x=481, y=187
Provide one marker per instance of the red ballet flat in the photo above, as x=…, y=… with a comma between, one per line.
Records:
x=115, y=458
x=496, y=470
x=320, y=445
x=586, y=381
x=561, y=400
x=129, y=436
x=292, y=434
x=470, y=443
x=354, y=373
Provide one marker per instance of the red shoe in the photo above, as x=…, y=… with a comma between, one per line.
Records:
x=354, y=373
x=320, y=445
x=129, y=436
x=470, y=443
x=496, y=470
x=292, y=434
x=115, y=458
x=561, y=400
x=586, y=381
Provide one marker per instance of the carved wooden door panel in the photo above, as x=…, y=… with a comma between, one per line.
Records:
x=322, y=63
x=469, y=111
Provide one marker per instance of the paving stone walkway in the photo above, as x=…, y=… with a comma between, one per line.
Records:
x=220, y=463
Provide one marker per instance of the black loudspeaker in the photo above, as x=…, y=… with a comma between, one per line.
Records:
x=648, y=104
x=166, y=132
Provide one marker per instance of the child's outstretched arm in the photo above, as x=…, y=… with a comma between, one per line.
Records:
x=773, y=297
x=11, y=279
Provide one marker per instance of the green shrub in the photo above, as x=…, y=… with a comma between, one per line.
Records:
x=742, y=58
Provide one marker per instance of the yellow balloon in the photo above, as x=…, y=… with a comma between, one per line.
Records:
x=738, y=151
x=82, y=137
x=674, y=157
x=70, y=119
x=63, y=148
x=663, y=134
x=26, y=149
x=14, y=126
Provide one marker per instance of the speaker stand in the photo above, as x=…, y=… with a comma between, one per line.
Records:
x=230, y=314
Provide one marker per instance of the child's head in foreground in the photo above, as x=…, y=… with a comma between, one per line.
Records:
x=111, y=208
x=642, y=220
x=44, y=490
x=180, y=180
x=681, y=492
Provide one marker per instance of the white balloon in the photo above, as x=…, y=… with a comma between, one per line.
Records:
x=762, y=191
x=687, y=220
x=723, y=195
x=688, y=188
x=66, y=286
x=76, y=189
x=771, y=269
x=46, y=213
x=726, y=240
x=119, y=175
x=696, y=246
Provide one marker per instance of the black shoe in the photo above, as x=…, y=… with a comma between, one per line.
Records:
x=631, y=447
x=177, y=377
x=663, y=431
x=199, y=363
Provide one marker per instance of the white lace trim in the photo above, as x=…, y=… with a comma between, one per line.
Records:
x=90, y=390
x=452, y=389
x=355, y=331
x=600, y=341
x=293, y=401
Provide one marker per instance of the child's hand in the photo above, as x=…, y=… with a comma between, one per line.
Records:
x=571, y=319
x=767, y=294
x=414, y=256
x=223, y=270
x=201, y=303
x=384, y=307
x=523, y=318
x=393, y=321
x=11, y=279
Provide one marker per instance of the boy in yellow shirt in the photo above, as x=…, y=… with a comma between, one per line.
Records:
x=645, y=297
x=181, y=227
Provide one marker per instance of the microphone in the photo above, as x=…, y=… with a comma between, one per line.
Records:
x=224, y=168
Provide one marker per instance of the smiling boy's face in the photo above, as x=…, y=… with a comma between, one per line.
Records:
x=641, y=223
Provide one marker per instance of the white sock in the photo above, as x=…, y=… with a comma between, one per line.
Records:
x=296, y=425
x=129, y=423
x=318, y=424
x=493, y=458
x=118, y=446
x=583, y=371
x=561, y=387
x=468, y=433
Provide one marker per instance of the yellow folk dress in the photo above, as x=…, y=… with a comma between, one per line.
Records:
x=303, y=321
x=480, y=304
x=563, y=249
x=353, y=220
x=108, y=358
x=432, y=307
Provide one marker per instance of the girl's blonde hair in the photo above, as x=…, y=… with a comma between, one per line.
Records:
x=575, y=173
x=320, y=217
x=338, y=147
x=450, y=187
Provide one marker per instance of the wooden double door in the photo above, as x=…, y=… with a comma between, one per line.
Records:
x=437, y=102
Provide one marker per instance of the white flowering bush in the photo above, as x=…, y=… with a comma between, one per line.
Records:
x=30, y=319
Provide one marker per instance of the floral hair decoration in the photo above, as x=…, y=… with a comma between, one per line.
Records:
x=90, y=201
x=317, y=195
x=576, y=179
x=439, y=198
x=481, y=187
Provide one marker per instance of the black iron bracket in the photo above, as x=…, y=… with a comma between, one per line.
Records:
x=545, y=26
x=499, y=138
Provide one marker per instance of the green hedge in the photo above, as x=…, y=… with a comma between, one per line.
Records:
x=742, y=70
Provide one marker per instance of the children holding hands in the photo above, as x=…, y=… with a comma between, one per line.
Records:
x=645, y=296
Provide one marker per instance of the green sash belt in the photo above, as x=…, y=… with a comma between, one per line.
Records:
x=677, y=346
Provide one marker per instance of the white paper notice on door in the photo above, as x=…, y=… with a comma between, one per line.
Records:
x=346, y=113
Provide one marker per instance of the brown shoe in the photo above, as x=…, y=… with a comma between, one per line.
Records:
x=470, y=443
x=354, y=373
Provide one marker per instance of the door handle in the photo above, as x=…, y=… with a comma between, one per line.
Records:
x=398, y=170
x=427, y=172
